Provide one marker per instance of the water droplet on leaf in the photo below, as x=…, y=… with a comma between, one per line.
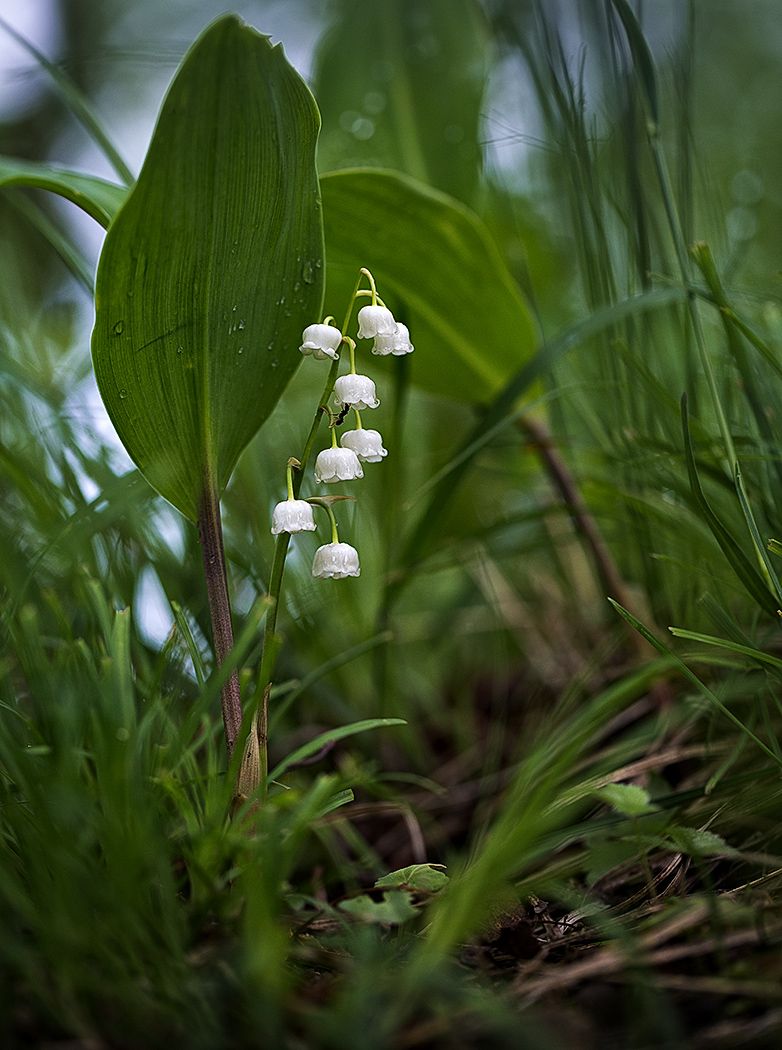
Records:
x=119, y=327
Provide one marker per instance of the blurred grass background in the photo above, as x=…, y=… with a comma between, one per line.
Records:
x=608, y=812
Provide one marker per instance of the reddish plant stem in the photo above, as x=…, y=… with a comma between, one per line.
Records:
x=210, y=533
x=563, y=481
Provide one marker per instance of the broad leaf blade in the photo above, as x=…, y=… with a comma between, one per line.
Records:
x=99, y=198
x=438, y=269
x=409, y=96
x=213, y=266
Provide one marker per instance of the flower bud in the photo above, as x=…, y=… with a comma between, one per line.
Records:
x=292, y=515
x=322, y=341
x=397, y=342
x=367, y=444
x=337, y=464
x=335, y=561
x=356, y=392
x=375, y=320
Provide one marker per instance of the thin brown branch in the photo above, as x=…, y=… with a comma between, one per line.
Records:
x=585, y=525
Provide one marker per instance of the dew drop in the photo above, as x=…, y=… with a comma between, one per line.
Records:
x=119, y=327
x=374, y=102
x=180, y=349
x=308, y=272
x=362, y=129
x=348, y=118
x=123, y=394
x=240, y=326
x=240, y=350
x=270, y=346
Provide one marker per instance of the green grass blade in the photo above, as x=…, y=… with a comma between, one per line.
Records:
x=642, y=56
x=69, y=254
x=97, y=197
x=501, y=412
x=77, y=103
x=766, y=566
x=739, y=562
x=692, y=677
x=724, y=643
x=331, y=736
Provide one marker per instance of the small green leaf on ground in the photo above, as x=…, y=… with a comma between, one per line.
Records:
x=426, y=878
x=628, y=799
x=699, y=843
x=395, y=908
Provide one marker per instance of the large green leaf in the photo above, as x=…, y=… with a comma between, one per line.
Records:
x=400, y=85
x=438, y=269
x=99, y=198
x=213, y=266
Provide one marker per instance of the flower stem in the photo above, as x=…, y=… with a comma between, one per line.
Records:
x=210, y=533
x=359, y=424
x=259, y=703
x=352, y=352
x=334, y=532
x=371, y=280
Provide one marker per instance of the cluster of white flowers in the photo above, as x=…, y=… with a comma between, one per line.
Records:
x=352, y=392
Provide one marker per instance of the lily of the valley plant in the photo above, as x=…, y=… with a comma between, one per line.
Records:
x=343, y=396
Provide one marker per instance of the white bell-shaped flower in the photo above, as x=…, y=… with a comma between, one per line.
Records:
x=322, y=341
x=335, y=561
x=375, y=320
x=356, y=391
x=397, y=342
x=367, y=444
x=337, y=464
x=292, y=515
